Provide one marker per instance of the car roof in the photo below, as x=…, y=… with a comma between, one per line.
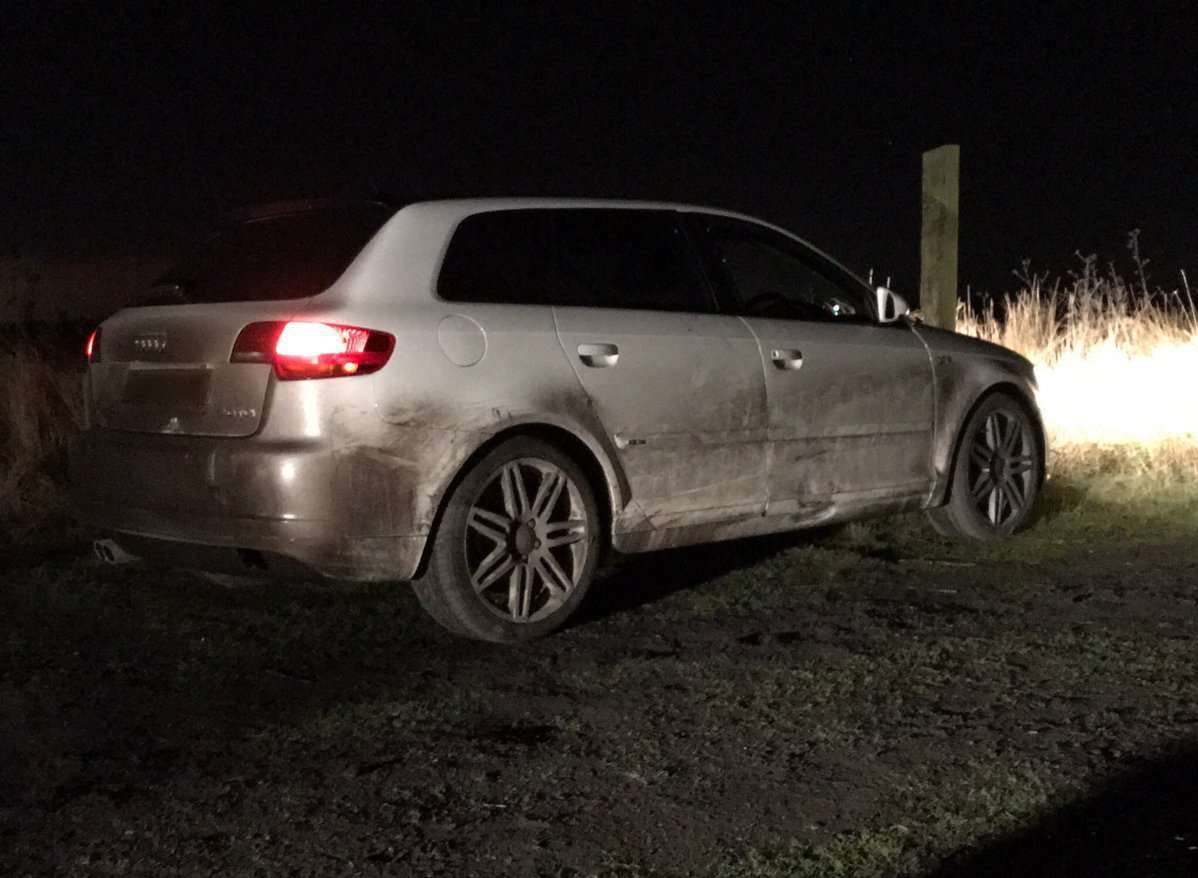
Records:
x=460, y=208
x=478, y=205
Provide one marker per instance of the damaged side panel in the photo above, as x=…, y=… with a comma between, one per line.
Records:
x=682, y=398
x=856, y=417
x=432, y=414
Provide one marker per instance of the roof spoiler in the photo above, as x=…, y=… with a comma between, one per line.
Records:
x=268, y=210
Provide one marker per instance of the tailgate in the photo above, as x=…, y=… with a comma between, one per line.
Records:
x=167, y=370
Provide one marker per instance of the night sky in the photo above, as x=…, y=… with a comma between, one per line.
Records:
x=124, y=132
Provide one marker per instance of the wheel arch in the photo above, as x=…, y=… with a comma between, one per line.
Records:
x=944, y=483
x=606, y=480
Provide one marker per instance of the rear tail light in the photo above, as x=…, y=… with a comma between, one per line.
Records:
x=299, y=349
x=91, y=348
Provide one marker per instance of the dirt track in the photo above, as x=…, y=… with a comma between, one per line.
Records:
x=713, y=703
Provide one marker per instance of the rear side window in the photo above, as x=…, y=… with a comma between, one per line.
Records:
x=287, y=256
x=591, y=257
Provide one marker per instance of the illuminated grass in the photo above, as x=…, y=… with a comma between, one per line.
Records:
x=1115, y=363
x=989, y=802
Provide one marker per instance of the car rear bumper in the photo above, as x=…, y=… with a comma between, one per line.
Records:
x=237, y=506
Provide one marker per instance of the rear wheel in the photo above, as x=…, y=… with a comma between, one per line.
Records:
x=996, y=476
x=516, y=547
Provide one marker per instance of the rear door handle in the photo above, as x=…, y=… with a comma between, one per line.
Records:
x=787, y=358
x=598, y=356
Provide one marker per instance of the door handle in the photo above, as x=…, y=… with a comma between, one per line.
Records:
x=598, y=356
x=788, y=359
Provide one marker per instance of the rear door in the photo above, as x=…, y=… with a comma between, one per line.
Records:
x=677, y=387
x=164, y=367
x=850, y=400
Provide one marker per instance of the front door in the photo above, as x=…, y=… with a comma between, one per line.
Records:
x=850, y=400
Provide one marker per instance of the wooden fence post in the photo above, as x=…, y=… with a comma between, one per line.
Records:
x=938, y=235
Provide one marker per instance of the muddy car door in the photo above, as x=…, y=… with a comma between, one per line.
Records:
x=678, y=387
x=849, y=400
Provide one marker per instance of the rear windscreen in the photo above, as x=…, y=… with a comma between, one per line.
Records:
x=287, y=256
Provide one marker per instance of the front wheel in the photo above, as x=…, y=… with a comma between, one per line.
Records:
x=517, y=545
x=996, y=476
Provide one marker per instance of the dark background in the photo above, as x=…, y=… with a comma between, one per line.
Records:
x=125, y=132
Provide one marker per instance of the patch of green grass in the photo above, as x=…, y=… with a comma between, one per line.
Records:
x=1142, y=506
x=1076, y=509
x=377, y=719
x=753, y=588
x=987, y=802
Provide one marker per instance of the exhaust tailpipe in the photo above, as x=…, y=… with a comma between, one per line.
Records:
x=110, y=552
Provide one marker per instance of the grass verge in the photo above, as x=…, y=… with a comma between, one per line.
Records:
x=1114, y=361
x=41, y=408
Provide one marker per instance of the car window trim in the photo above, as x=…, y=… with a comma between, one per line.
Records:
x=698, y=257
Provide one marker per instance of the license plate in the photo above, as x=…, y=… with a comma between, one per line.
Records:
x=167, y=388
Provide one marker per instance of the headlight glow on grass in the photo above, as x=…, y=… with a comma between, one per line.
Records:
x=1117, y=370
x=1108, y=395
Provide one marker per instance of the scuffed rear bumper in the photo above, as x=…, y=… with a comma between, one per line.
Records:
x=234, y=506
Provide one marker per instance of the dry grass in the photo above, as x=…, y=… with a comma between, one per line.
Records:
x=40, y=409
x=1117, y=364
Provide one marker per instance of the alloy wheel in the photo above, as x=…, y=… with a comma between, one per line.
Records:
x=1002, y=464
x=526, y=540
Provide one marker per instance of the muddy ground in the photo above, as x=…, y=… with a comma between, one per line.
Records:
x=859, y=704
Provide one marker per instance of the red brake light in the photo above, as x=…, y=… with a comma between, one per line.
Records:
x=300, y=349
x=91, y=348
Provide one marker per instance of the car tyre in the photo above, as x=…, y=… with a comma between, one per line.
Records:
x=996, y=476
x=517, y=545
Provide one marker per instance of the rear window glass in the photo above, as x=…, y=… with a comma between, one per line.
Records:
x=592, y=257
x=287, y=256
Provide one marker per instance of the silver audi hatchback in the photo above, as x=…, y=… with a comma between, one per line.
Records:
x=483, y=397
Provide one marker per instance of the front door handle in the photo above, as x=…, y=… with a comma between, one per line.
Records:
x=598, y=356
x=787, y=358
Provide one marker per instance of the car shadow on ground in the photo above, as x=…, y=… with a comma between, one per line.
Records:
x=1143, y=822
x=633, y=581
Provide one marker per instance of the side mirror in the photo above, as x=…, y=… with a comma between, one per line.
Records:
x=891, y=306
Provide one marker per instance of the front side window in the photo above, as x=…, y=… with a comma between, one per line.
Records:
x=764, y=274
x=590, y=257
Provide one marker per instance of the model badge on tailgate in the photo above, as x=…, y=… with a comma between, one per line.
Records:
x=239, y=413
